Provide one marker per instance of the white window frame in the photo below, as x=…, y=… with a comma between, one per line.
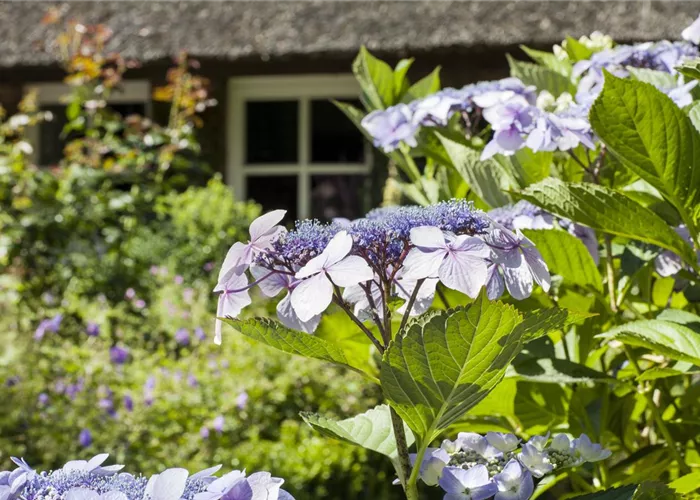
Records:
x=301, y=88
x=54, y=93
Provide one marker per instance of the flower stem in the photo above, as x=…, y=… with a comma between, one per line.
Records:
x=658, y=419
x=611, y=273
x=403, y=462
x=409, y=306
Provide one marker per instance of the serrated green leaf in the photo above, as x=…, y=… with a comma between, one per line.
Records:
x=554, y=371
x=657, y=373
x=669, y=339
x=372, y=430
x=488, y=179
x=686, y=484
x=540, y=322
x=376, y=80
x=566, y=256
x=606, y=210
x=621, y=493
x=274, y=334
x=401, y=83
x=654, y=138
x=541, y=77
x=425, y=86
x=529, y=166
x=681, y=317
x=576, y=50
x=541, y=407
x=549, y=60
x=449, y=361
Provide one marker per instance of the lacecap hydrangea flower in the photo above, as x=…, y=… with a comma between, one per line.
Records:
x=89, y=480
x=499, y=465
x=392, y=252
x=400, y=124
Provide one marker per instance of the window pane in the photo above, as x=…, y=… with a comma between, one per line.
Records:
x=334, y=138
x=271, y=131
x=51, y=143
x=274, y=192
x=337, y=196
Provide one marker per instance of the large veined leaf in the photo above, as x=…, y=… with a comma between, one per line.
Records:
x=687, y=484
x=529, y=166
x=566, y=256
x=448, y=361
x=606, y=210
x=645, y=491
x=488, y=179
x=541, y=77
x=653, y=138
x=670, y=339
x=372, y=430
x=376, y=79
x=541, y=407
x=554, y=371
x=274, y=334
x=425, y=86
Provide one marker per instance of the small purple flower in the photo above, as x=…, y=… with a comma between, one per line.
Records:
x=179, y=280
x=128, y=403
x=154, y=270
x=130, y=293
x=182, y=337
x=43, y=399
x=514, y=482
x=218, y=424
x=242, y=400
x=334, y=266
x=209, y=266
x=48, y=325
x=12, y=381
x=459, y=261
x=139, y=303
x=92, y=329
x=521, y=263
x=118, y=355
x=199, y=333
x=188, y=295
x=392, y=126
x=85, y=438
x=471, y=484
x=192, y=381
x=204, y=432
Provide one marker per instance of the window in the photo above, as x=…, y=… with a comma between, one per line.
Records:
x=291, y=148
x=134, y=98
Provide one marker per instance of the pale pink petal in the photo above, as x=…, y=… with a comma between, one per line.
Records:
x=312, y=296
x=265, y=241
x=272, y=283
x=516, y=274
x=424, y=297
x=336, y=250
x=350, y=271
x=471, y=244
x=289, y=318
x=422, y=264
x=239, y=256
x=537, y=266
x=265, y=224
x=494, y=283
x=464, y=273
x=233, y=303
x=427, y=237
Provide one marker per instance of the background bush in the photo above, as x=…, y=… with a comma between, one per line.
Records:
x=107, y=264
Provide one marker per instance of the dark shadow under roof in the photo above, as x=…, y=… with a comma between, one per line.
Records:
x=229, y=30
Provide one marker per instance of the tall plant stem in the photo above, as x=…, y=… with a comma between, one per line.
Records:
x=660, y=424
x=404, y=463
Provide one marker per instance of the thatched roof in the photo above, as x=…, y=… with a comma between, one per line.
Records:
x=151, y=30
